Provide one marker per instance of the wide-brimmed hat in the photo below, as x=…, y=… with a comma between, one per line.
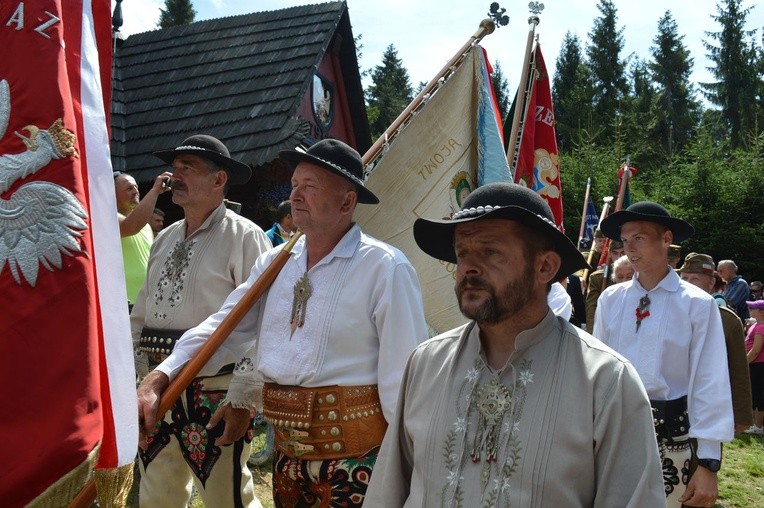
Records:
x=698, y=263
x=213, y=149
x=499, y=201
x=337, y=157
x=646, y=211
x=756, y=304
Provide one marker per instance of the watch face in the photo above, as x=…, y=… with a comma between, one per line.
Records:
x=712, y=465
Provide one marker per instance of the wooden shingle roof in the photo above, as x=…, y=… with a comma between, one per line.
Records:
x=239, y=78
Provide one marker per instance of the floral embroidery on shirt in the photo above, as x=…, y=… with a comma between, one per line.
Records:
x=463, y=429
x=173, y=275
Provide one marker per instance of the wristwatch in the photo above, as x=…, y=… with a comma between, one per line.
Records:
x=712, y=465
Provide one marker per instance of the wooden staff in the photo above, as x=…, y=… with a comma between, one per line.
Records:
x=487, y=27
x=176, y=387
x=583, y=212
x=522, y=99
x=622, y=185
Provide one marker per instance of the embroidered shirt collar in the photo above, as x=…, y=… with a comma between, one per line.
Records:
x=346, y=247
x=541, y=331
x=524, y=339
x=215, y=217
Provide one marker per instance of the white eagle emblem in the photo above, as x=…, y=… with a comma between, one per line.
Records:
x=41, y=220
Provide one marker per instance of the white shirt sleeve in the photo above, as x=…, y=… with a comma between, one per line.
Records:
x=559, y=301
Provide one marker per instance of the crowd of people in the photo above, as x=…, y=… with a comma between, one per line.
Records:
x=619, y=396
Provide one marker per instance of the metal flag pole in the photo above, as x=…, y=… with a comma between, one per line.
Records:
x=529, y=64
x=590, y=257
x=487, y=26
x=583, y=212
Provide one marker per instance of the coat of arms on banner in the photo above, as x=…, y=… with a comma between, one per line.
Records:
x=41, y=220
x=461, y=186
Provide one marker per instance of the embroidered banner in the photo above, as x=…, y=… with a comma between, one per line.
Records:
x=450, y=146
x=591, y=221
x=538, y=162
x=64, y=324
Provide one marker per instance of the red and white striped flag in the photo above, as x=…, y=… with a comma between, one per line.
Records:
x=65, y=348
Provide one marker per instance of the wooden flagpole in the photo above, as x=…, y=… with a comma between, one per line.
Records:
x=622, y=184
x=176, y=387
x=515, y=136
x=583, y=212
x=487, y=26
x=590, y=257
x=604, y=257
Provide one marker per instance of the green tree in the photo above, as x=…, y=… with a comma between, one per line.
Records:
x=176, y=12
x=735, y=70
x=637, y=118
x=389, y=93
x=607, y=67
x=501, y=89
x=675, y=110
x=571, y=92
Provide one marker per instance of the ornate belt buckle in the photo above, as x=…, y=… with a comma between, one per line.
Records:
x=297, y=435
x=298, y=448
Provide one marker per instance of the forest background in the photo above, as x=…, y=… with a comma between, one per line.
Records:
x=697, y=147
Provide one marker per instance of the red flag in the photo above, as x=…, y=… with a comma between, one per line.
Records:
x=538, y=161
x=64, y=327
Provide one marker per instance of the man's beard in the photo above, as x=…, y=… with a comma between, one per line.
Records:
x=512, y=298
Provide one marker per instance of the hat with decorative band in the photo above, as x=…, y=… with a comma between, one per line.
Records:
x=507, y=201
x=337, y=157
x=212, y=149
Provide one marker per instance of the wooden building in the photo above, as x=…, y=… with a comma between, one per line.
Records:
x=260, y=82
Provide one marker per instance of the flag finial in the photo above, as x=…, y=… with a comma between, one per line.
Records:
x=497, y=14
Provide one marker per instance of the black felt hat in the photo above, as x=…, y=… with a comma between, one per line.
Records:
x=337, y=157
x=646, y=211
x=213, y=149
x=499, y=201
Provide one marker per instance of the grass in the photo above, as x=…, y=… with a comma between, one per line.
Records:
x=741, y=479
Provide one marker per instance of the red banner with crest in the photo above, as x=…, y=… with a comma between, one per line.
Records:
x=538, y=161
x=64, y=324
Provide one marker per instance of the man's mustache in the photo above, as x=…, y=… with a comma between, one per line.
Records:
x=473, y=282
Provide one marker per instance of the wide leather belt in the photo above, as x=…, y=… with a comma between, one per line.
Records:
x=155, y=340
x=671, y=420
x=325, y=423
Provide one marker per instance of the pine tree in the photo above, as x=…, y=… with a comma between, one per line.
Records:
x=389, y=93
x=501, y=89
x=571, y=92
x=176, y=12
x=637, y=115
x=607, y=68
x=735, y=69
x=675, y=110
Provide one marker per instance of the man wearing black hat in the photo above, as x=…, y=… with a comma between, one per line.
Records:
x=329, y=340
x=672, y=333
x=194, y=264
x=518, y=407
